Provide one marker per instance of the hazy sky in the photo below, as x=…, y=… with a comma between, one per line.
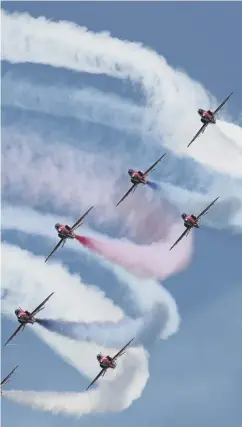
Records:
x=196, y=375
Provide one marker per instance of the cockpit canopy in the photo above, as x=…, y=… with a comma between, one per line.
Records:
x=57, y=226
x=183, y=215
x=130, y=171
x=17, y=311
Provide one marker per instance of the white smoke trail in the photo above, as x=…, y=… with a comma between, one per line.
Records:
x=160, y=113
x=74, y=177
x=27, y=283
x=64, y=44
x=21, y=270
x=77, y=179
x=227, y=213
x=91, y=105
x=86, y=104
x=144, y=294
x=111, y=396
x=145, y=261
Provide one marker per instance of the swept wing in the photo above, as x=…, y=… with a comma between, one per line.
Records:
x=78, y=222
x=154, y=165
x=41, y=306
x=96, y=378
x=207, y=208
x=221, y=105
x=181, y=237
x=126, y=194
x=19, y=328
x=55, y=248
x=121, y=352
x=102, y=372
x=201, y=130
x=63, y=240
x=145, y=174
x=6, y=379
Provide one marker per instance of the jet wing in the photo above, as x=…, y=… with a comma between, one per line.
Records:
x=207, y=208
x=19, y=328
x=128, y=192
x=201, y=130
x=121, y=351
x=221, y=105
x=55, y=248
x=6, y=379
x=154, y=165
x=96, y=378
x=181, y=237
x=80, y=219
x=41, y=306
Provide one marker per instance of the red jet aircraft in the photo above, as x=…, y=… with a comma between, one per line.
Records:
x=25, y=317
x=191, y=221
x=138, y=177
x=7, y=378
x=108, y=362
x=65, y=232
x=208, y=117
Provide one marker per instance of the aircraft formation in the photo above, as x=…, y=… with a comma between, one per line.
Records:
x=66, y=232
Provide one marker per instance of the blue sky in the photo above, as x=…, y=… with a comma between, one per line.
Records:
x=196, y=375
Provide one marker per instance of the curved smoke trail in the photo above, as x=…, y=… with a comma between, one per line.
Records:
x=75, y=301
x=166, y=90
x=27, y=156
x=145, y=261
x=125, y=388
x=158, y=317
x=146, y=329
x=132, y=375
x=128, y=382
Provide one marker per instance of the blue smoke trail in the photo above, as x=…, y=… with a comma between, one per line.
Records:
x=154, y=185
x=145, y=330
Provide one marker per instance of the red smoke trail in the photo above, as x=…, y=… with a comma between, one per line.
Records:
x=146, y=261
x=86, y=241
